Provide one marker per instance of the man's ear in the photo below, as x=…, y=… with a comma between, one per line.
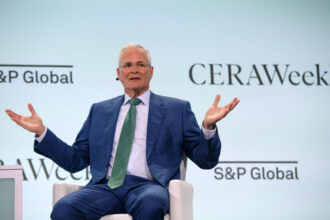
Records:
x=118, y=74
x=152, y=71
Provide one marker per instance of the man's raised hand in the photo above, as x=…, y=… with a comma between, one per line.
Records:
x=31, y=123
x=215, y=113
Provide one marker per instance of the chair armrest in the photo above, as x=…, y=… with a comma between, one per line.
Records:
x=181, y=200
x=62, y=189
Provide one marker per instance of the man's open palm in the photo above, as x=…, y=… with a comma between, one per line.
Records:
x=215, y=113
x=31, y=123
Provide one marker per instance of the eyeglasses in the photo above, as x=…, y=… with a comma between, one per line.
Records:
x=139, y=65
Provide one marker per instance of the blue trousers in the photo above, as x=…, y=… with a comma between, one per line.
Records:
x=141, y=198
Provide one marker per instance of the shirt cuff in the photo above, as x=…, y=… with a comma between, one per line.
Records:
x=41, y=137
x=208, y=134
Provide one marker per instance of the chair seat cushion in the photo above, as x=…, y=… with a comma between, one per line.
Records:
x=117, y=217
x=125, y=217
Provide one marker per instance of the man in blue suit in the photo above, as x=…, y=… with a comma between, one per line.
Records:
x=164, y=129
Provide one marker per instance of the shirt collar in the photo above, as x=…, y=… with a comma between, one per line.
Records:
x=145, y=98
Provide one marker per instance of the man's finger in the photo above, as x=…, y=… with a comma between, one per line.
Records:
x=10, y=115
x=229, y=105
x=13, y=114
x=216, y=100
x=8, y=112
x=14, y=118
x=235, y=102
x=33, y=112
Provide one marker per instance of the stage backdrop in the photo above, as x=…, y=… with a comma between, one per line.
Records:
x=61, y=56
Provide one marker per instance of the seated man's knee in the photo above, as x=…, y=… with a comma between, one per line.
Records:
x=152, y=204
x=63, y=210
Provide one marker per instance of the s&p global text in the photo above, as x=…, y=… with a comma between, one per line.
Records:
x=257, y=173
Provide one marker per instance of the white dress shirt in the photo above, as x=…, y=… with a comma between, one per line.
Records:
x=137, y=164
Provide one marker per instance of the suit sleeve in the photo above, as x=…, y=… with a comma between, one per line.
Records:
x=204, y=153
x=71, y=158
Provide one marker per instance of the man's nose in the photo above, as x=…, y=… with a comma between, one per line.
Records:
x=134, y=69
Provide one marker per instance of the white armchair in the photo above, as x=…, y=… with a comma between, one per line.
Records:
x=181, y=198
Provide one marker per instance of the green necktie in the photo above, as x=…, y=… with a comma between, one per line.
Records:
x=124, y=147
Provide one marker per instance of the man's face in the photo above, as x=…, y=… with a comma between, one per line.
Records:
x=134, y=72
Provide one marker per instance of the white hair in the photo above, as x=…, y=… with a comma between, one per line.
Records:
x=134, y=45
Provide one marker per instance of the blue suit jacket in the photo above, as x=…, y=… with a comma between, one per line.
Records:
x=172, y=129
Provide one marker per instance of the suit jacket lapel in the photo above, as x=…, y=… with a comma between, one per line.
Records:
x=111, y=116
x=155, y=119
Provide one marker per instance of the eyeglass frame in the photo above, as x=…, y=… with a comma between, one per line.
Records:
x=139, y=65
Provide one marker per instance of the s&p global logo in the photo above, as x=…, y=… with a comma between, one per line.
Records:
x=36, y=74
x=258, y=75
x=257, y=171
